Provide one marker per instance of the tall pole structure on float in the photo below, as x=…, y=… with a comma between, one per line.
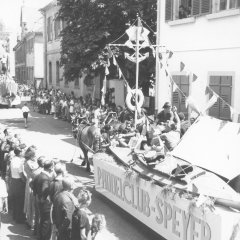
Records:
x=137, y=67
x=157, y=56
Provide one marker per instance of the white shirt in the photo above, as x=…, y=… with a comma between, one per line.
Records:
x=3, y=192
x=16, y=167
x=25, y=109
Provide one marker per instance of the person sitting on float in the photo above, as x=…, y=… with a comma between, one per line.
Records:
x=166, y=114
x=127, y=134
x=172, y=134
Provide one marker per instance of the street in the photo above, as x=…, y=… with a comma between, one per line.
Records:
x=53, y=139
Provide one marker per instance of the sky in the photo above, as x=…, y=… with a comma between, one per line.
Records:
x=10, y=13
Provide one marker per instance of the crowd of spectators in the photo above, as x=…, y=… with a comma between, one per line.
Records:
x=40, y=194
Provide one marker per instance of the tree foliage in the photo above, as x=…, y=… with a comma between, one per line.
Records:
x=91, y=24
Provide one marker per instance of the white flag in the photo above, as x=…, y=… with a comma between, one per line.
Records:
x=191, y=103
x=211, y=102
x=106, y=70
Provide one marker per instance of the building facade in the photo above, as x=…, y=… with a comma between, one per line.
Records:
x=204, y=36
x=29, y=59
x=53, y=71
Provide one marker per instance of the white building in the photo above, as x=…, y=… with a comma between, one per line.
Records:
x=53, y=73
x=205, y=36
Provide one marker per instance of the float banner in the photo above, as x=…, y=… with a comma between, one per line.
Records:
x=170, y=216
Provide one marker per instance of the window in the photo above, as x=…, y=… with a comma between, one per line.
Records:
x=76, y=82
x=57, y=27
x=222, y=85
x=178, y=99
x=222, y=5
x=50, y=73
x=57, y=73
x=49, y=29
x=179, y=9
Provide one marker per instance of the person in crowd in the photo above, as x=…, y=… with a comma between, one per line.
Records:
x=17, y=186
x=25, y=111
x=171, y=137
x=40, y=162
x=99, y=230
x=185, y=124
x=30, y=168
x=56, y=185
x=3, y=200
x=41, y=185
x=166, y=114
x=80, y=217
x=182, y=12
x=63, y=207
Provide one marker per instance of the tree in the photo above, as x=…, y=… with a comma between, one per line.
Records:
x=91, y=24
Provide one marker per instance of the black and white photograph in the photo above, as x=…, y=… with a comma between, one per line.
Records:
x=119, y=120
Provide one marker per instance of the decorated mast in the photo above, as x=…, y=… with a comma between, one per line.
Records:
x=137, y=69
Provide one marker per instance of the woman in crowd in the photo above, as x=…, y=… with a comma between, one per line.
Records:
x=17, y=186
x=30, y=167
x=3, y=200
x=80, y=218
x=99, y=230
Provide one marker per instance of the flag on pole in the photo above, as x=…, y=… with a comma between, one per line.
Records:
x=106, y=70
x=194, y=77
x=108, y=63
x=182, y=66
x=174, y=87
x=114, y=61
x=104, y=89
x=119, y=72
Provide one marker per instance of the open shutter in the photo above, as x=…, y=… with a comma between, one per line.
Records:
x=168, y=10
x=196, y=7
x=205, y=6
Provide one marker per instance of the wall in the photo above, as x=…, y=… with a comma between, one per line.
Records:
x=206, y=44
x=38, y=63
x=118, y=85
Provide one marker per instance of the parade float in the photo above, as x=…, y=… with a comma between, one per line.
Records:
x=8, y=87
x=190, y=194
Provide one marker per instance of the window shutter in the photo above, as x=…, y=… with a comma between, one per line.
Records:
x=196, y=7
x=238, y=3
x=168, y=10
x=205, y=7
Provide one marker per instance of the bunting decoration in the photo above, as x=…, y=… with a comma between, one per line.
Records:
x=104, y=89
x=182, y=66
x=114, y=61
x=174, y=87
x=194, y=188
x=190, y=102
x=194, y=77
x=170, y=54
x=178, y=170
x=106, y=70
x=211, y=102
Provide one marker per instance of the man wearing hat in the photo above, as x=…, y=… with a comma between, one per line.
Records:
x=166, y=114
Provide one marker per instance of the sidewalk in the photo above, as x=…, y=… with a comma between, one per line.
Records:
x=12, y=231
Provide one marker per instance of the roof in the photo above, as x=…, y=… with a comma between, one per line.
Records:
x=48, y=6
x=212, y=144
